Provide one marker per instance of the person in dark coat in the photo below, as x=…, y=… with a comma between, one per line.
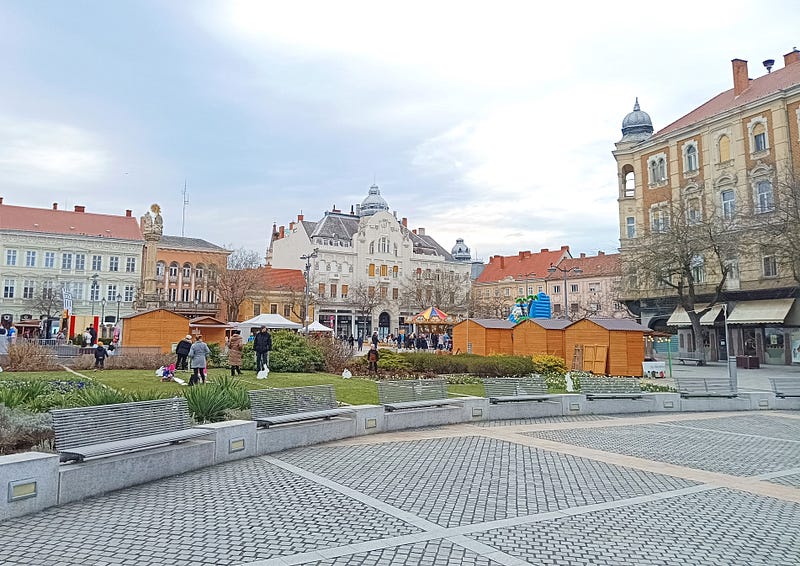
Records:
x=375, y=339
x=372, y=357
x=100, y=355
x=182, y=351
x=235, y=353
x=262, y=344
x=93, y=334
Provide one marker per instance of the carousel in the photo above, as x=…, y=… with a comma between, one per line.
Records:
x=432, y=321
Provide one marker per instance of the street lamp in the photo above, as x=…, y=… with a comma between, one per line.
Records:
x=92, y=289
x=577, y=270
x=119, y=302
x=103, y=311
x=196, y=304
x=307, y=275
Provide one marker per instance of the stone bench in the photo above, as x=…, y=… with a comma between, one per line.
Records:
x=103, y=430
x=414, y=394
x=705, y=387
x=515, y=389
x=784, y=387
x=698, y=359
x=294, y=404
x=611, y=388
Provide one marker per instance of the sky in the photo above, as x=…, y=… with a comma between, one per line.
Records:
x=489, y=121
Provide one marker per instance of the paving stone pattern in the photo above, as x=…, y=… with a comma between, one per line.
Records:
x=543, y=420
x=456, y=481
x=701, y=449
x=431, y=553
x=759, y=424
x=237, y=512
x=792, y=480
x=714, y=527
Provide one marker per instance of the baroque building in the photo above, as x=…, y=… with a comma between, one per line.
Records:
x=721, y=162
x=367, y=271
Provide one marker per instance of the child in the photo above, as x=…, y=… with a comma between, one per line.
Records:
x=100, y=355
x=169, y=373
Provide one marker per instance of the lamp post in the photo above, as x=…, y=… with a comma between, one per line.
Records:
x=103, y=312
x=577, y=270
x=307, y=275
x=92, y=289
x=119, y=302
x=196, y=304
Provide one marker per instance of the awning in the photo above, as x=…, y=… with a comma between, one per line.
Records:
x=680, y=318
x=770, y=311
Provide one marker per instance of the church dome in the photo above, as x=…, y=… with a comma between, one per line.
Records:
x=373, y=203
x=637, y=125
x=460, y=251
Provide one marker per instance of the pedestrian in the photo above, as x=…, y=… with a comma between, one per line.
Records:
x=375, y=339
x=235, y=346
x=360, y=342
x=372, y=357
x=100, y=355
x=198, y=354
x=262, y=344
x=93, y=336
x=182, y=352
x=351, y=341
x=87, y=338
x=12, y=334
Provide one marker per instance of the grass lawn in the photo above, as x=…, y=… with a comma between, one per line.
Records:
x=355, y=391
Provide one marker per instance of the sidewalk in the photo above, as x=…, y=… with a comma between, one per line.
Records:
x=748, y=379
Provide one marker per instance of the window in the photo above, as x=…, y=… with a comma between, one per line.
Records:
x=172, y=294
x=660, y=219
x=187, y=271
x=594, y=307
x=732, y=265
x=728, y=204
x=556, y=289
x=698, y=269
x=372, y=247
x=287, y=311
x=321, y=289
x=28, y=289
x=594, y=287
x=557, y=308
x=630, y=184
x=130, y=291
x=384, y=271
x=66, y=261
x=8, y=288
x=211, y=297
x=371, y=291
x=76, y=288
x=333, y=291
x=693, y=214
x=80, y=262
x=130, y=265
x=97, y=263
x=630, y=227
x=520, y=290
x=173, y=270
x=113, y=263
x=186, y=295
x=273, y=308
x=383, y=292
x=573, y=288
x=395, y=293
x=616, y=305
x=770, y=266
x=30, y=259
x=256, y=309
x=764, y=198
x=724, y=145
x=50, y=259
x=198, y=273
x=94, y=292
x=690, y=160
x=371, y=270
x=657, y=167
x=111, y=293
x=344, y=291
x=160, y=267
x=506, y=292
x=383, y=245
x=395, y=271
x=395, y=250
x=11, y=257
x=198, y=295
x=759, y=137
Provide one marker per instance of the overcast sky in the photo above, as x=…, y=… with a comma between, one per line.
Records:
x=491, y=121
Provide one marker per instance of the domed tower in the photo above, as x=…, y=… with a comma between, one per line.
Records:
x=637, y=126
x=460, y=251
x=373, y=203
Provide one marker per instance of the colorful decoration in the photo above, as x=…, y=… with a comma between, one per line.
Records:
x=532, y=306
x=431, y=315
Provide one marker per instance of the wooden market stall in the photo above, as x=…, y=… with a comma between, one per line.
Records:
x=619, y=341
x=540, y=336
x=486, y=336
x=155, y=328
x=213, y=330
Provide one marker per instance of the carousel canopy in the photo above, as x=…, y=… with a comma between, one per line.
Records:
x=431, y=315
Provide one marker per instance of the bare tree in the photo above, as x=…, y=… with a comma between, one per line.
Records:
x=237, y=280
x=449, y=292
x=364, y=299
x=777, y=224
x=49, y=303
x=686, y=253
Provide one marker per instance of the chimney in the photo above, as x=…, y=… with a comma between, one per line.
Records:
x=741, y=82
x=543, y=251
x=601, y=252
x=55, y=206
x=523, y=255
x=414, y=231
x=421, y=231
x=405, y=222
x=291, y=226
x=1, y=200
x=583, y=255
x=352, y=211
x=79, y=208
x=792, y=57
x=128, y=213
x=281, y=232
x=300, y=217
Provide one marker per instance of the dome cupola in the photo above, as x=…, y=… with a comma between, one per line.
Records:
x=460, y=251
x=637, y=125
x=373, y=203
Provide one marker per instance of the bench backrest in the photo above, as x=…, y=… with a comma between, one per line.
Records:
x=84, y=426
x=786, y=385
x=512, y=386
x=412, y=390
x=703, y=385
x=266, y=403
x=621, y=385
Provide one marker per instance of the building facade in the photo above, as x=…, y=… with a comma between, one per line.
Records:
x=369, y=272
x=723, y=160
x=279, y=291
x=55, y=260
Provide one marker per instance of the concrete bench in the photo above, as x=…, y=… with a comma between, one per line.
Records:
x=611, y=388
x=785, y=386
x=103, y=430
x=414, y=394
x=294, y=404
x=515, y=389
x=688, y=357
x=705, y=387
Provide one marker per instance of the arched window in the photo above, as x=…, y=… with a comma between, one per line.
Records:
x=173, y=269
x=690, y=158
x=395, y=250
x=630, y=184
x=662, y=169
x=160, y=268
x=759, y=137
x=187, y=270
x=372, y=247
x=653, y=171
x=199, y=271
x=764, y=197
x=724, y=149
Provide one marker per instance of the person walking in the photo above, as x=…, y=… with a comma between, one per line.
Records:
x=372, y=357
x=100, y=355
x=182, y=351
x=235, y=353
x=360, y=342
x=351, y=341
x=198, y=354
x=262, y=344
x=375, y=339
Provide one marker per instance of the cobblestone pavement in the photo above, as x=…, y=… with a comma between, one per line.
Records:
x=656, y=489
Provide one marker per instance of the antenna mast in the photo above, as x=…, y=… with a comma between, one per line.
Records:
x=185, y=193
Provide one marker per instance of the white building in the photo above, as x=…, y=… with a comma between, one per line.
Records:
x=369, y=256
x=95, y=258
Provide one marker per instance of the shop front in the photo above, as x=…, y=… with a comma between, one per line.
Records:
x=768, y=330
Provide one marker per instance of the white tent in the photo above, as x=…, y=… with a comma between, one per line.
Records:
x=271, y=321
x=317, y=327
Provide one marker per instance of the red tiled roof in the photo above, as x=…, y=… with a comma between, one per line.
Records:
x=49, y=221
x=521, y=265
x=600, y=265
x=273, y=278
x=761, y=87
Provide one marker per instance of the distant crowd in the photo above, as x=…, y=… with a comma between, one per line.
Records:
x=412, y=341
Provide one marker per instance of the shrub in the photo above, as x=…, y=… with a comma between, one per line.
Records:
x=655, y=388
x=28, y=356
x=336, y=354
x=502, y=366
x=292, y=353
x=545, y=364
x=21, y=430
x=78, y=340
x=207, y=404
x=215, y=358
x=20, y=393
x=138, y=360
x=235, y=391
x=248, y=357
x=91, y=396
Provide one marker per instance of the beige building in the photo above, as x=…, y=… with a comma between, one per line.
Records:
x=724, y=158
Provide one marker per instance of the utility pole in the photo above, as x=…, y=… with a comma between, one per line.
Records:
x=307, y=274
